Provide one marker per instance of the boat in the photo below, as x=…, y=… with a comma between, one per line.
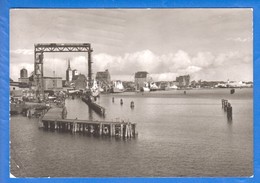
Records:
x=117, y=87
x=170, y=86
x=173, y=87
x=72, y=91
x=94, y=90
x=145, y=88
x=153, y=86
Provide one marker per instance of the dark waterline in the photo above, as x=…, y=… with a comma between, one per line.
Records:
x=179, y=135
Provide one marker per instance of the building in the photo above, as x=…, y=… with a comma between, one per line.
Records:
x=52, y=83
x=18, y=86
x=23, y=73
x=140, y=78
x=79, y=82
x=23, y=76
x=74, y=73
x=69, y=73
x=104, y=79
x=184, y=81
x=24, y=80
x=129, y=85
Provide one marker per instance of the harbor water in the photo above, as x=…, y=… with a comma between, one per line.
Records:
x=179, y=135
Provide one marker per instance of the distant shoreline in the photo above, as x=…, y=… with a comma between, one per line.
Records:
x=243, y=93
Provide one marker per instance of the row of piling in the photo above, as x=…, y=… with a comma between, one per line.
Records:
x=132, y=104
x=111, y=129
x=227, y=108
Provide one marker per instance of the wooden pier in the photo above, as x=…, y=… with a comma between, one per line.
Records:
x=97, y=108
x=227, y=108
x=52, y=121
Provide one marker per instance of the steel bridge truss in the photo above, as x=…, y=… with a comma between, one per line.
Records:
x=39, y=49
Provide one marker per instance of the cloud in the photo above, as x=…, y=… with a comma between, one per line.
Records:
x=239, y=39
x=203, y=59
x=23, y=51
x=203, y=65
x=168, y=66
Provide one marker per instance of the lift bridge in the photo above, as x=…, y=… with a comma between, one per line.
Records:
x=39, y=50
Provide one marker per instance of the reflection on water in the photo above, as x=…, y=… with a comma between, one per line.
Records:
x=179, y=135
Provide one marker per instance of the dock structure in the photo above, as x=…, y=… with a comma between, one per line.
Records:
x=227, y=108
x=97, y=108
x=52, y=121
x=29, y=109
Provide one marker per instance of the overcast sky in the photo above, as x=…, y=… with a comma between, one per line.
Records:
x=208, y=44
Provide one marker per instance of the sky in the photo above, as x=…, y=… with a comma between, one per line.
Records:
x=207, y=44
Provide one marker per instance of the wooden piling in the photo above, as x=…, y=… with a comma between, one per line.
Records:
x=225, y=105
x=125, y=127
x=132, y=104
x=131, y=131
x=121, y=130
x=100, y=129
x=111, y=130
x=229, y=112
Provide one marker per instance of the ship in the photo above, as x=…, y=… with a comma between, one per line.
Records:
x=149, y=87
x=145, y=88
x=171, y=86
x=153, y=86
x=94, y=90
x=117, y=87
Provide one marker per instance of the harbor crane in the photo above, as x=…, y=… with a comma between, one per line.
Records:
x=40, y=49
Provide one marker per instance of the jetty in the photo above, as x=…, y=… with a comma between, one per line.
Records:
x=53, y=121
x=97, y=108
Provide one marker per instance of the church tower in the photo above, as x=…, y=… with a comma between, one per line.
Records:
x=68, y=73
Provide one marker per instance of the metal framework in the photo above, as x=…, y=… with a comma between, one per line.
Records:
x=39, y=49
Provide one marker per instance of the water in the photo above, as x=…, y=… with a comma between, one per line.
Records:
x=179, y=135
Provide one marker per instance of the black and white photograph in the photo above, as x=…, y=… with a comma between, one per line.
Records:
x=131, y=93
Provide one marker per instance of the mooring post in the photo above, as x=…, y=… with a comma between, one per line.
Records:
x=121, y=101
x=225, y=105
x=229, y=112
x=132, y=105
